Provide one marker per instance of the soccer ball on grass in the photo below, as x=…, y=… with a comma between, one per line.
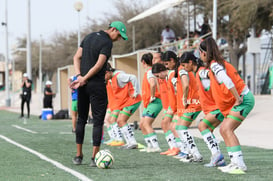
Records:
x=104, y=159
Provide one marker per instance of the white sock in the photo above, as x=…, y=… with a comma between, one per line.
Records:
x=210, y=141
x=186, y=136
x=181, y=145
x=147, y=141
x=128, y=134
x=154, y=140
x=238, y=158
x=110, y=132
x=170, y=139
x=116, y=130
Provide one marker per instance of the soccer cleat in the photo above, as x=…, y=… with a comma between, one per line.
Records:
x=180, y=155
x=144, y=149
x=220, y=163
x=153, y=150
x=92, y=163
x=197, y=157
x=233, y=168
x=186, y=158
x=123, y=146
x=174, y=152
x=77, y=160
x=131, y=146
x=216, y=160
x=117, y=143
x=140, y=146
x=166, y=152
x=108, y=142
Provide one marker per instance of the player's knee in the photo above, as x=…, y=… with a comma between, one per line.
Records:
x=120, y=123
x=172, y=127
x=202, y=126
x=141, y=125
x=223, y=130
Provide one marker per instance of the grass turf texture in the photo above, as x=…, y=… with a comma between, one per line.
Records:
x=55, y=140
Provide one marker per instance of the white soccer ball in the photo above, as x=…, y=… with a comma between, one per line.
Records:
x=104, y=159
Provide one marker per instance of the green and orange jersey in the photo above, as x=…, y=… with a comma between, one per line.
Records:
x=224, y=99
x=192, y=99
x=146, y=90
x=110, y=95
x=163, y=89
x=179, y=95
x=205, y=95
x=123, y=95
x=171, y=84
x=193, y=96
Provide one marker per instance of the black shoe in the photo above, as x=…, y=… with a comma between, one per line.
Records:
x=92, y=163
x=77, y=160
x=21, y=116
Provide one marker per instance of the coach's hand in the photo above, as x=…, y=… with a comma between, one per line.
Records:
x=77, y=83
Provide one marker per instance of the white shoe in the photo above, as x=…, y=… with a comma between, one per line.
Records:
x=153, y=150
x=180, y=155
x=130, y=146
x=186, y=158
x=197, y=157
x=216, y=160
x=144, y=149
x=233, y=168
x=124, y=146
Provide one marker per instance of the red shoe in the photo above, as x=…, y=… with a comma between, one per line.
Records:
x=166, y=152
x=174, y=151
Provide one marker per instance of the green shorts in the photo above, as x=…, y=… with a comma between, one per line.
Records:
x=131, y=108
x=246, y=106
x=74, y=105
x=192, y=115
x=167, y=115
x=174, y=121
x=218, y=115
x=153, y=109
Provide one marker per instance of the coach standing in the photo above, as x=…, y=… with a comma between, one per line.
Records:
x=90, y=65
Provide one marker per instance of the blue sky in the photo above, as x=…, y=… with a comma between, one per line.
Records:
x=47, y=17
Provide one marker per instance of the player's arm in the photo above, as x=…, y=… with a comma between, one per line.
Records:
x=153, y=84
x=124, y=79
x=222, y=77
x=185, y=85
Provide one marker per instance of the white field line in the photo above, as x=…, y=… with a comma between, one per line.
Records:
x=65, y=133
x=27, y=130
x=43, y=157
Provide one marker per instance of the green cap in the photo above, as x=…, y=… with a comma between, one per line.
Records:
x=121, y=28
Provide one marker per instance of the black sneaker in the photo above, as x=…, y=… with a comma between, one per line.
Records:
x=92, y=163
x=77, y=160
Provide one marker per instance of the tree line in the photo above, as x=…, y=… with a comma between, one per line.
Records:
x=234, y=18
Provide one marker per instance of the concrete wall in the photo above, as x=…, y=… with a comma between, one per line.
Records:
x=63, y=90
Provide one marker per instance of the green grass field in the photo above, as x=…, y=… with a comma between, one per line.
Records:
x=54, y=140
